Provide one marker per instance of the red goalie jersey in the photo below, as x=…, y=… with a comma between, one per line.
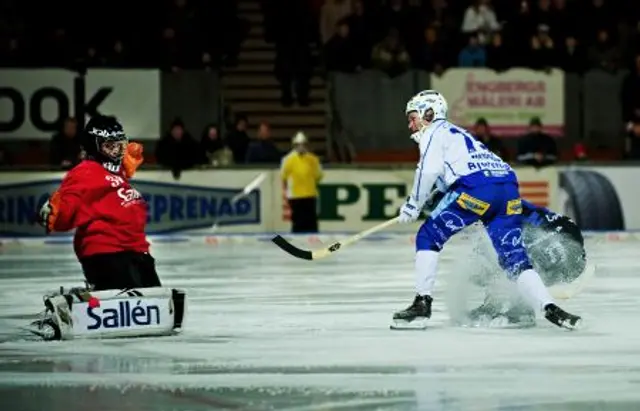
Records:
x=109, y=215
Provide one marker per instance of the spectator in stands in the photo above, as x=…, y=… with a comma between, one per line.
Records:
x=262, y=150
x=118, y=55
x=604, y=54
x=301, y=172
x=595, y=17
x=219, y=32
x=474, y=54
x=238, y=139
x=537, y=148
x=214, y=151
x=542, y=53
x=92, y=58
x=542, y=14
x=632, y=143
x=572, y=58
x=208, y=63
x=390, y=55
x=172, y=57
x=332, y=12
x=482, y=132
x=13, y=54
x=177, y=150
x=431, y=55
x=57, y=49
x=291, y=28
x=361, y=31
x=498, y=56
x=630, y=92
x=65, y=145
x=341, y=51
x=394, y=16
x=562, y=22
x=520, y=29
x=633, y=43
x=480, y=19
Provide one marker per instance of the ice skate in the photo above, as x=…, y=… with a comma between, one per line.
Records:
x=520, y=316
x=488, y=310
x=561, y=318
x=492, y=313
x=415, y=316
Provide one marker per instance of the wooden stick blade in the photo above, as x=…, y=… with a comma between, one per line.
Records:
x=292, y=249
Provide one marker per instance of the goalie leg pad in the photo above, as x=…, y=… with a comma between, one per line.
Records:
x=139, y=312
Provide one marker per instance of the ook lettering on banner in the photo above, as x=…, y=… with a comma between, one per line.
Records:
x=35, y=102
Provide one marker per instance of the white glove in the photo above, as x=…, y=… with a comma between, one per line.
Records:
x=45, y=212
x=409, y=212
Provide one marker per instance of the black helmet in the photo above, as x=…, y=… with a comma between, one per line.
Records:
x=100, y=131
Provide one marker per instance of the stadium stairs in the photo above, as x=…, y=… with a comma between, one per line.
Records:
x=251, y=88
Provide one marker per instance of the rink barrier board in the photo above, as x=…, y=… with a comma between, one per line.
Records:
x=350, y=200
x=311, y=240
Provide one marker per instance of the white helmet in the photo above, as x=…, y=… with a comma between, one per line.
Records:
x=425, y=100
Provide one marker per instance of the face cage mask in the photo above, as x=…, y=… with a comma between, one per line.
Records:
x=428, y=116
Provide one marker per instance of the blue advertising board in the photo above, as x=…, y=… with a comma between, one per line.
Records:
x=171, y=206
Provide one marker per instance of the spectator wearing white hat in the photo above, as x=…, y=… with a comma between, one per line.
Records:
x=301, y=172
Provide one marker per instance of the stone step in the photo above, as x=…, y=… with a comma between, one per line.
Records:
x=255, y=17
x=290, y=120
x=315, y=133
x=265, y=56
x=274, y=107
x=246, y=5
x=267, y=94
x=253, y=80
x=256, y=31
x=247, y=68
x=257, y=44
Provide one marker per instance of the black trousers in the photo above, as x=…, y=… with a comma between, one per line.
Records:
x=304, y=218
x=116, y=271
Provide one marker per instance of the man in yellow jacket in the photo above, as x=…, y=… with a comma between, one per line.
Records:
x=301, y=172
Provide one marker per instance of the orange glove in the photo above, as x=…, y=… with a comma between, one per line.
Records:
x=132, y=159
x=49, y=212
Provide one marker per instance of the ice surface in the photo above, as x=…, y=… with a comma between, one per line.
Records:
x=267, y=331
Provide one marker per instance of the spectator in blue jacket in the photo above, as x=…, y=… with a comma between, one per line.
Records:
x=473, y=55
x=262, y=150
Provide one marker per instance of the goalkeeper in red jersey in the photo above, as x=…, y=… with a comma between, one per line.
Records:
x=108, y=214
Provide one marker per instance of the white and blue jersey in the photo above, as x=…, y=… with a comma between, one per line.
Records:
x=450, y=155
x=478, y=186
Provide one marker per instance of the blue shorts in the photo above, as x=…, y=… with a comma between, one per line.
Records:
x=497, y=206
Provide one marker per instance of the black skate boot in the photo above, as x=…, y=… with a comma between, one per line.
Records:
x=415, y=316
x=561, y=318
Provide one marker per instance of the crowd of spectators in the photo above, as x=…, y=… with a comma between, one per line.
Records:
x=171, y=34
x=390, y=35
x=179, y=150
x=433, y=35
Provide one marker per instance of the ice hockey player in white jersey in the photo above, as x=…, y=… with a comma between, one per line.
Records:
x=478, y=186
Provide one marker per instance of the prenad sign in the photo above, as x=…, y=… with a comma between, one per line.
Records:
x=34, y=103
